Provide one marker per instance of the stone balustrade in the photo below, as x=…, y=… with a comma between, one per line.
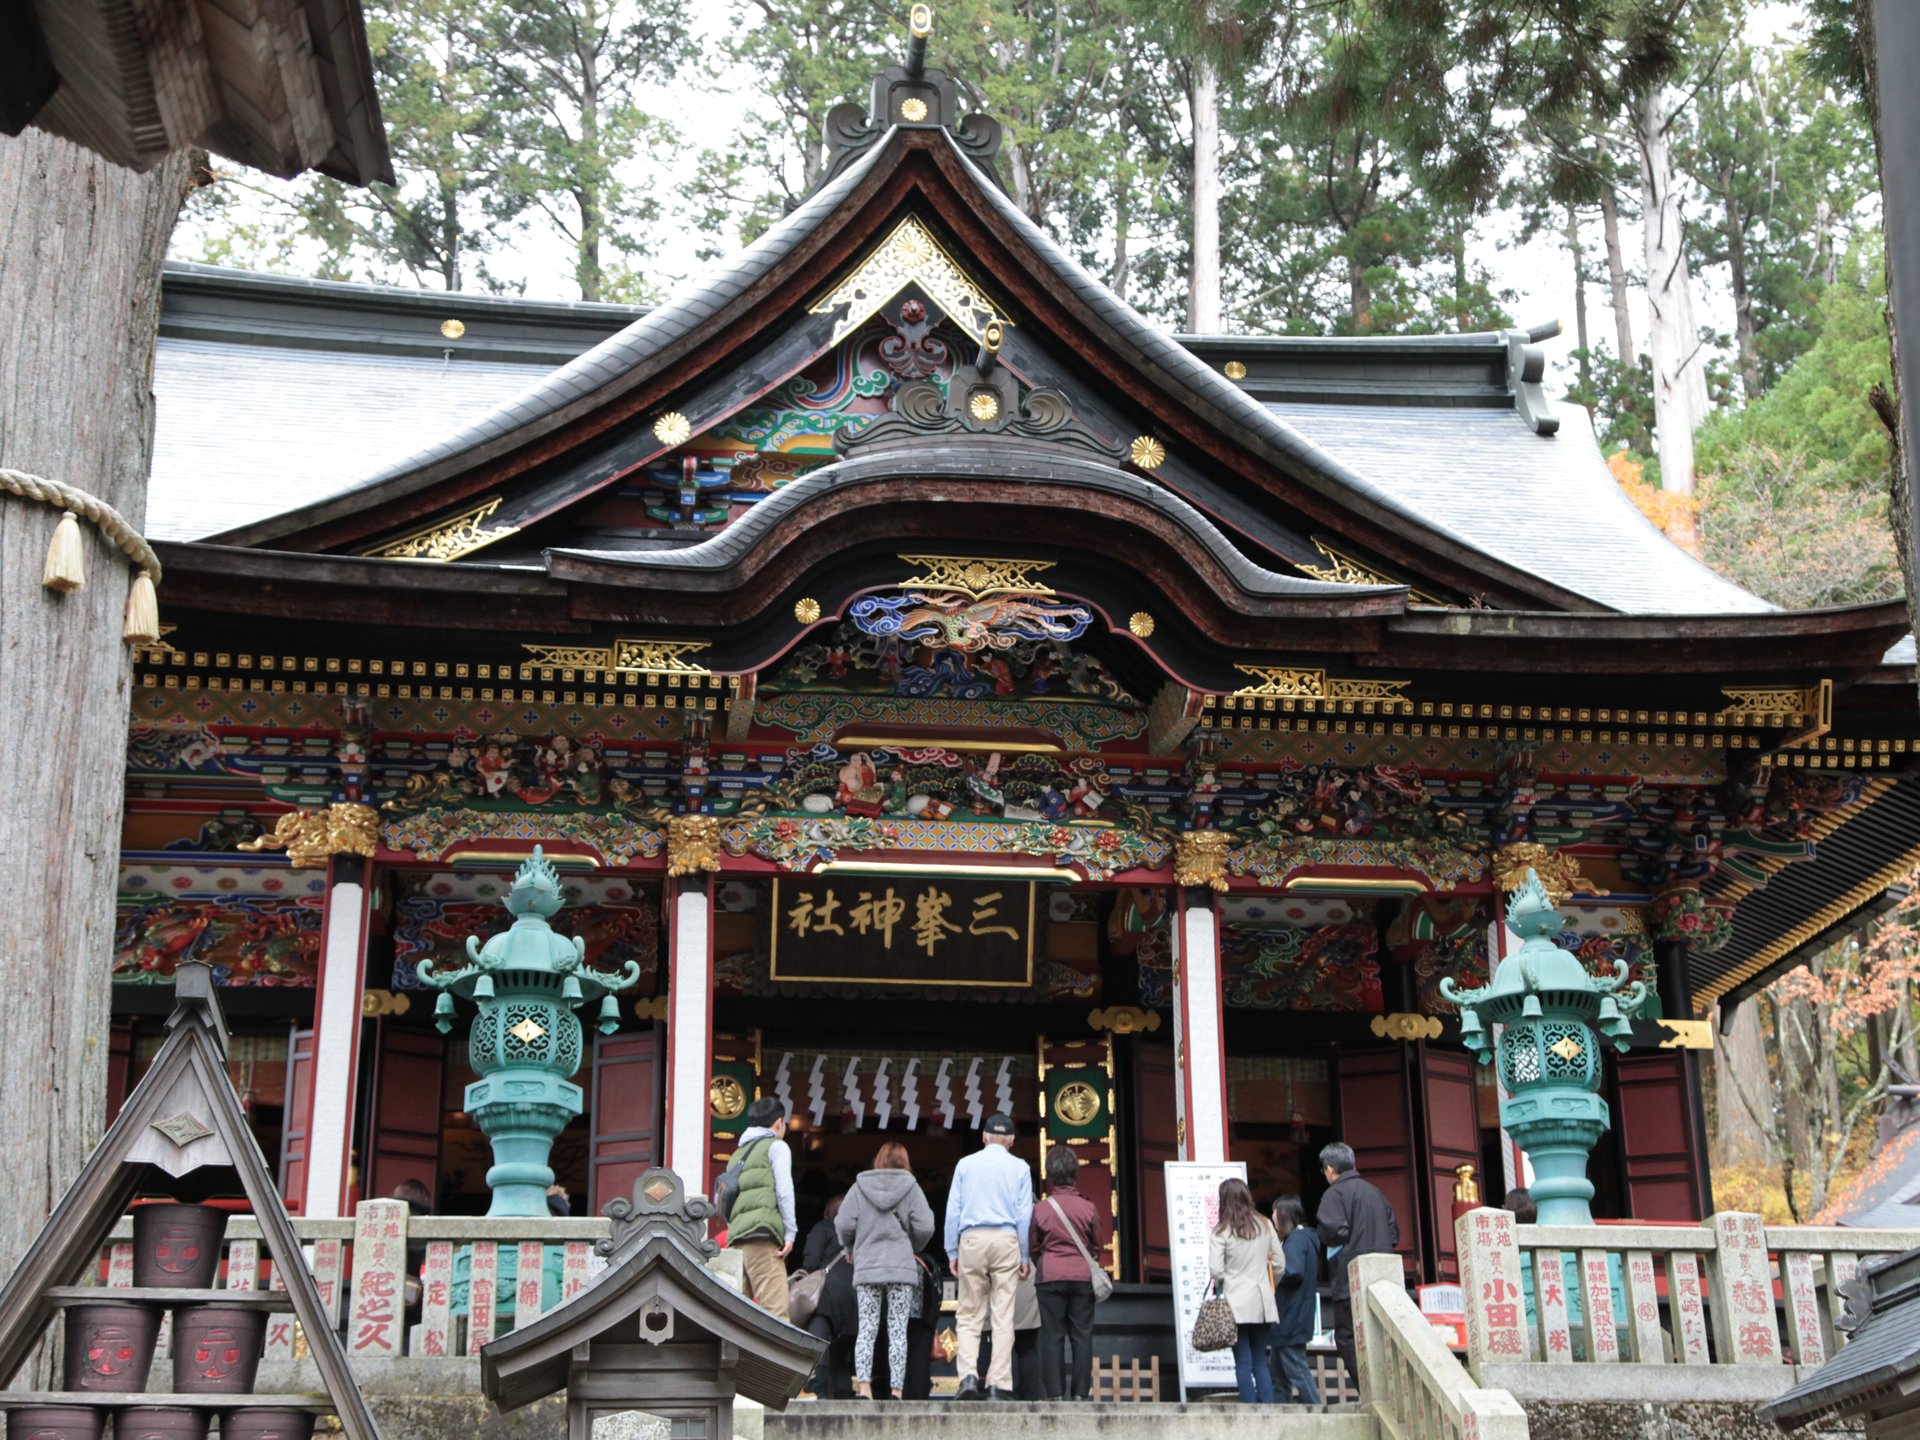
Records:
x=1411, y=1381
x=1732, y=1309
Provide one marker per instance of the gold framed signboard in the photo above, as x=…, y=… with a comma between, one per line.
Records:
x=887, y=930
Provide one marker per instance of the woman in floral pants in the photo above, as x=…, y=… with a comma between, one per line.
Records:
x=883, y=1223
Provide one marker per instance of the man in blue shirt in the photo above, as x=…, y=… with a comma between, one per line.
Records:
x=988, y=1211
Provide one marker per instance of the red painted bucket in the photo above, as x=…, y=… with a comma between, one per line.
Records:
x=177, y=1247
x=160, y=1422
x=110, y=1347
x=216, y=1348
x=56, y=1422
x=266, y=1424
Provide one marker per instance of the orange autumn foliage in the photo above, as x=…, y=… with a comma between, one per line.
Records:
x=1678, y=516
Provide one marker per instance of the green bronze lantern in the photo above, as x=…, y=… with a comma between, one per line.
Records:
x=526, y=1041
x=1552, y=1017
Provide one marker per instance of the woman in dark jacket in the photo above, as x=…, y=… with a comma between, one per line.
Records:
x=1295, y=1291
x=884, y=1222
x=834, y=1320
x=1064, y=1284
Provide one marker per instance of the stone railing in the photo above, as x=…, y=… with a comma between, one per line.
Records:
x=1412, y=1382
x=363, y=1272
x=1727, y=1310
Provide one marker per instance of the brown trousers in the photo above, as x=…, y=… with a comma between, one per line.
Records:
x=766, y=1275
x=989, y=1274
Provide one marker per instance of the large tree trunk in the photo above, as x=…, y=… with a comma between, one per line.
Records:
x=1891, y=406
x=1616, y=277
x=1679, y=359
x=81, y=244
x=1743, y=1118
x=1203, y=275
x=1736, y=230
x=1581, y=343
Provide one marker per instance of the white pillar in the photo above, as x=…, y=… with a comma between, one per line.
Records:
x=1200, y=1019
x=690, y=1031
x=336, y=1039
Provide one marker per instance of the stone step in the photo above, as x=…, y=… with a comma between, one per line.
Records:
x=1022, y=1420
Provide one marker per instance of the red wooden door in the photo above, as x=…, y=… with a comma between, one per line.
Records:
x=1450, y=1138
x=1156, y=1140
x=625, y=1140
x=119, y=1065
x=409, y=1078
x=1654, y=1118
x=297, y=1121
x=1376, y=1119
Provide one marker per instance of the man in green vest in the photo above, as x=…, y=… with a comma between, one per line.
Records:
x=761, y=1226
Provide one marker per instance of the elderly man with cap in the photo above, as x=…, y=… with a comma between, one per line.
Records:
x=989, y=1210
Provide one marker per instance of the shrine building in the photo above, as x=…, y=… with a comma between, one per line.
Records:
x=955, y=694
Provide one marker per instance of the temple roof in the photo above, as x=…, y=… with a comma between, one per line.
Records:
x=290, y=405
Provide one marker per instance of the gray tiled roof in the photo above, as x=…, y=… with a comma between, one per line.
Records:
x=244, y=432
x=1883, y=1353
x=1544, y=503
x=1477, y=481
x=587, y=378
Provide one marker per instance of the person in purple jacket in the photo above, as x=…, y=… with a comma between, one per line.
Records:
x=1064, y=1285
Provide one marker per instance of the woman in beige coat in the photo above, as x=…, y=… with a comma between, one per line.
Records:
x=1245, y=1258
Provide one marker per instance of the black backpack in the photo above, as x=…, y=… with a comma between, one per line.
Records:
x=726, y=1190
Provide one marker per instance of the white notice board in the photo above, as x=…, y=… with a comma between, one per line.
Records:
x=1193, y=1210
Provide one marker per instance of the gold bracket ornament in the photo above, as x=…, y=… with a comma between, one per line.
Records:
x=1403, y=1026
x=1124, y=1020
x=1687, y=1034
x=623, y=657
x=312, y=837
x=376, y=1003
x=976, y=578
x=1294, y=682
x=1558, y=871
x=693, y=845
x=447, y=539
x=1200, y=858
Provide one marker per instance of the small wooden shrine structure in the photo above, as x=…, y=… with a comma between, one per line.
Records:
x=657, y=1331
x=183, y=1117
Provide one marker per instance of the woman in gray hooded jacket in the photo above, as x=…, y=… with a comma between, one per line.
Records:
x=883, y=1223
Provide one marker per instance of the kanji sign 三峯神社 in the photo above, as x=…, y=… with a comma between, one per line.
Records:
x=903, y=931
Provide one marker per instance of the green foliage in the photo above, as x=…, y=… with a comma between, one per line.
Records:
x=501, y=115
x=1819, y=408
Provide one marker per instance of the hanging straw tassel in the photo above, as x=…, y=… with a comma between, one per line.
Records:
x=142, y=626
x=66, y=566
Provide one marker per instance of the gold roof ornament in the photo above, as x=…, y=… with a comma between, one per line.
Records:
x=447, y=539
x=1147, y=452
x=977, y=577
x=910, y=256
x=913, y=109
x=806, y=610
x=1235, y=370
x=672, y=428
x=1141, y=624
x=453, y=329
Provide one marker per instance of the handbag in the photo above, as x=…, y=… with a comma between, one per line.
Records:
x=1214, y=1327
x=1102, y=1281
x=805, y=1292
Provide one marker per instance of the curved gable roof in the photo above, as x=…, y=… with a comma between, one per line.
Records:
x=1532, y=516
